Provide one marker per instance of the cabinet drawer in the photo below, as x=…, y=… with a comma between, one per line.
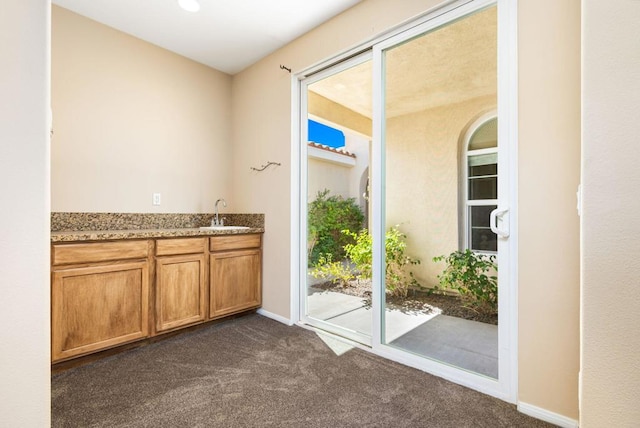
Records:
x=99, y=252
x=234, y=242
x=166, y=247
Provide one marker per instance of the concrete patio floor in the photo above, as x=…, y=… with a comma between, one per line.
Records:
x=470, y=345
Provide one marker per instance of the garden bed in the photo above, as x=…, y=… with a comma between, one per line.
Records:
x=416, y=301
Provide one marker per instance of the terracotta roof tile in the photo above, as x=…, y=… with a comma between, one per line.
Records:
x=331, y=149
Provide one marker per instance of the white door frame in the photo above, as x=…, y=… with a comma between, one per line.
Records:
x=506, y=386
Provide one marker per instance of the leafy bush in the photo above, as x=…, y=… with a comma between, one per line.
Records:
x=327, y=217
x=360, y=253
x=470, y=274
x=338, y=272
x=397, y=278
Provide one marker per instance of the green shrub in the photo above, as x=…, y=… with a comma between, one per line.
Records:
x=360, y=253
x=471, y=275
x=397, y=278
x=338, y=272
x=327, y=217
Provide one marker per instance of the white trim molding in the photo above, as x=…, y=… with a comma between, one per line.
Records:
x=274, y=317
x=547, y=416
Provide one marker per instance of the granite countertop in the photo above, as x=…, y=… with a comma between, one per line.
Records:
x=104, y=235
x=77, y=227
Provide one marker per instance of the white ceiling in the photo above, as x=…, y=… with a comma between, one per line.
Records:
x=228, y=35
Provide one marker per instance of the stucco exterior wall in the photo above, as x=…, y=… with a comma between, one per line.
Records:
x=326, y=175
x=342, y=176
x=422, y=180
x=338, y=114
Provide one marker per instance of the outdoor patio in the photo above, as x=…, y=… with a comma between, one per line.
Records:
x=466, y=344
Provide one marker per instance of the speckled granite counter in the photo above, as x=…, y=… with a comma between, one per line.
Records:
x=72, y=227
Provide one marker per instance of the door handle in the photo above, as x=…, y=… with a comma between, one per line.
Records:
x=493, y=222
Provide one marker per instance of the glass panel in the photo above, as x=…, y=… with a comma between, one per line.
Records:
x=434, y=85
x=480, y=215
x=480, y=170
x=482, y=238
x=338, y=296
x=483, y=188
x=486, y=159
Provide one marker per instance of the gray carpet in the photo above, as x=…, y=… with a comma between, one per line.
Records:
x=255, y=372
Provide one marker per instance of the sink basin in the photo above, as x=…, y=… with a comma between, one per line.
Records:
x=224, y=228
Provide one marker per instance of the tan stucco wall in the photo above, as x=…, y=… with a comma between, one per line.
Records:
x=549, y=140
x=422, y=180
x=610, y=224
x=25, y=390
x=340, y=178
x=326, y=175
x=132, y=119
x=549, y=173
x=336, y=113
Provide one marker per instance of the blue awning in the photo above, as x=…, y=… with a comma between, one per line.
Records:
x=323, y=134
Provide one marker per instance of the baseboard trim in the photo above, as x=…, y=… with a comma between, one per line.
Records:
x=547, y=416
x=274, y=317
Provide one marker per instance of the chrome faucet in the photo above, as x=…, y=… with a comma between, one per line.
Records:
x=216, y=221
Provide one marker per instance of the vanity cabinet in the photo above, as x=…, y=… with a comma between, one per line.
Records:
x=235, y=270
x=99, y=296
x=180, y=285
x=108, y=293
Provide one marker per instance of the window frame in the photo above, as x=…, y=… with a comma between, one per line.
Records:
x=466, y=203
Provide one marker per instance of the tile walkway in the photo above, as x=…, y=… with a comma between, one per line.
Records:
x=467, y=344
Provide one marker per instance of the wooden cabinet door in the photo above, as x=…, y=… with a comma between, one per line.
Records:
x=235, y=281
x=180, y=291
x=97, y=307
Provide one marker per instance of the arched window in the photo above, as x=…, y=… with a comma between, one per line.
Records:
x=481, y=186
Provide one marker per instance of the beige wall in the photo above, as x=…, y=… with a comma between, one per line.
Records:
x=549, y=164
x=549, y=173
x=24, y=216
x=132, y=119
x=348, y=181
x=327, y=175
x=610, y=225
x=337, y=113
x=422, y=180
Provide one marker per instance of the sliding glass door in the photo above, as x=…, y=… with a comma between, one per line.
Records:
x=441, y=288
x=423, y=274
